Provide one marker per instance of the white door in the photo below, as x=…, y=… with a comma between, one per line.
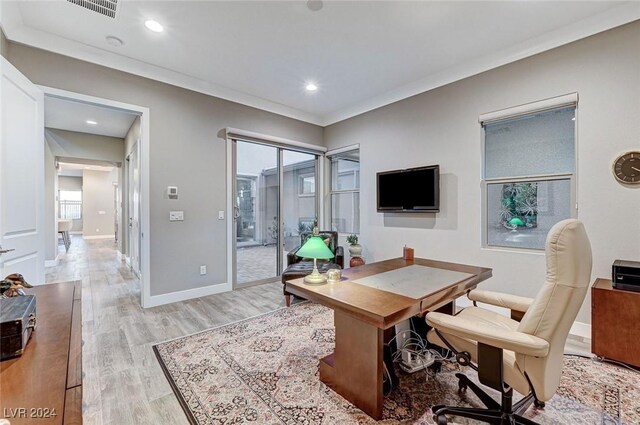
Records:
x=21, y=176
x=134, y=209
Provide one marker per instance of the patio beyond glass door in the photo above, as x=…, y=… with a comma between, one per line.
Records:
x=274, y=202
x=299, y=203
x=257, y=192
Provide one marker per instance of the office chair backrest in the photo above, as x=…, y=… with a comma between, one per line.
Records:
x=568, y=254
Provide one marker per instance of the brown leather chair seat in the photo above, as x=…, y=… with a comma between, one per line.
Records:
x=297, y=267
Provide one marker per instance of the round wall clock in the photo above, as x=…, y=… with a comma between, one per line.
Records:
x=626, y=168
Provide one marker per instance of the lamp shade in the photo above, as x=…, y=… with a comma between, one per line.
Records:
x=315, y=247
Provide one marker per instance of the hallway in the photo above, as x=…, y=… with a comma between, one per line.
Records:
x=123, y=382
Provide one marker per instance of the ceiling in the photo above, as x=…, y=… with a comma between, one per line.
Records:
x=63, y=114
x=361, y=54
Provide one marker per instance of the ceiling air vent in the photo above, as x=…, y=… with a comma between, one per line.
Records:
x=103, y=7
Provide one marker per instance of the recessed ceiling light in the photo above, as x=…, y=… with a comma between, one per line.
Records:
x=311, y=87
x=114, y=41
x=91, y=122
x=315, y=5
x=154, y=26
x=87, y=168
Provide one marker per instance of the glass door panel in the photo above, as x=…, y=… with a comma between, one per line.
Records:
x=299, y=202
x=257, y=193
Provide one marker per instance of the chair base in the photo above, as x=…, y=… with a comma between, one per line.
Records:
x=505, y=413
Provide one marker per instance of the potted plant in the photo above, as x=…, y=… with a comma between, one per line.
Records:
x=355, y=249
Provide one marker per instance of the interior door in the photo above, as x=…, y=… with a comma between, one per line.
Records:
x=21, y=176
x=134, y=209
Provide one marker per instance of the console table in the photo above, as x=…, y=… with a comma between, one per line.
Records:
x=363, y=311
x=615, y=315
x=44, y=385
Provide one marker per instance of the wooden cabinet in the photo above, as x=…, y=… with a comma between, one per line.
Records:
x=47, y=379
x=615, y=323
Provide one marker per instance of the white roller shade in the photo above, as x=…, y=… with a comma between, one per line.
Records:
x=528, y=108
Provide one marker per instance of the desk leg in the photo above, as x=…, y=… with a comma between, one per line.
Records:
x=355, y=369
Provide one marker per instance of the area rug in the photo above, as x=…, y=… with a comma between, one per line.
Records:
x=264, y=370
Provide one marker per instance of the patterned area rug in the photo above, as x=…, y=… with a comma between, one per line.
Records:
x=265, y=370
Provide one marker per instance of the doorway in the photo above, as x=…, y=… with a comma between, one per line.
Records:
x=140, y=145
x=274, y=201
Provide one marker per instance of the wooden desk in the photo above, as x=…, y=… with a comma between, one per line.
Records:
x=362, y=313
x=47, y=378
x=615, y=315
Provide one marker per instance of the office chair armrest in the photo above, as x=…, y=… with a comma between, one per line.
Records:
x=518, y=342
x=292, y=258
x=498, y=299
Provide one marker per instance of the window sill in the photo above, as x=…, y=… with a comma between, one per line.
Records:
x=539, y=252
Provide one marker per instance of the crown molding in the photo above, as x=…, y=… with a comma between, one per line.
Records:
x=11, y=23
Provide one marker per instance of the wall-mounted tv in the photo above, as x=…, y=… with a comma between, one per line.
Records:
x=410, y=190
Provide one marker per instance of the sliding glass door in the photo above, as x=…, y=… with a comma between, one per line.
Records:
x=299, y=203
x=274, y=201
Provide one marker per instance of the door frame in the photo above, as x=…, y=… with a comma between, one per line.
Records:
x=145, y=234
x=130, y=208
x=233, y=134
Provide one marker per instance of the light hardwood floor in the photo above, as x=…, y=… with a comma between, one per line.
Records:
x=123, y=382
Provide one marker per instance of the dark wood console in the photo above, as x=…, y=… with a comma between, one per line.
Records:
x=615, y=323
x=44, y=385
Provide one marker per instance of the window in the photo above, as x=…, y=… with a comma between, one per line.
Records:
x=529, y=181
x=345, y=191
x=70, y=204
x=307, y=184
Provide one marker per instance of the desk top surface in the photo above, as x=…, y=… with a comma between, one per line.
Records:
x=370, y=292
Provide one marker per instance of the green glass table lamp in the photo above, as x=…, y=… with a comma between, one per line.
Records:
x=315, y=248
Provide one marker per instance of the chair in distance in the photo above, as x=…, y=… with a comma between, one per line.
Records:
x=524, y=352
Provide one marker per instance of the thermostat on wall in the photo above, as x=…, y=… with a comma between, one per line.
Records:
x=172, y=192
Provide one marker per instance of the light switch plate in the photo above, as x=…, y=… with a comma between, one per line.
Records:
x=176, y=215
x=220, y=215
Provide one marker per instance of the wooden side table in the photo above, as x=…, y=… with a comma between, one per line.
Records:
x=615, y=319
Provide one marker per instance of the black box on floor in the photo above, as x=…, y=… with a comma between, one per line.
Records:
x=626, y=275
x=17, y=321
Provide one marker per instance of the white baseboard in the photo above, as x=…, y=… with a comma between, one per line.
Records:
x=127, y=260
x=172, y=297
x=99, y=237
x=578, y=329
x=52, y=263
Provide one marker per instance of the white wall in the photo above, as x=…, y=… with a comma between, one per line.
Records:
x=98, y=201
x=441, y=127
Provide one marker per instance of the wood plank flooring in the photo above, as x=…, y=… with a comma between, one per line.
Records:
x=123, y=383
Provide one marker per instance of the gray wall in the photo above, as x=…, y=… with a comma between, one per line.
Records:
x=4, y=44
x=50, y=205
x=185, y=151
x=98, y=203
x=441, y=127
x=71, y=183
x=72, y=144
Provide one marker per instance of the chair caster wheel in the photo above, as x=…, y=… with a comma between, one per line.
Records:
x=440, y=419
x=539, y=404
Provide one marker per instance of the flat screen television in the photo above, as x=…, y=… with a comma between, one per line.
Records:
x=410, y=190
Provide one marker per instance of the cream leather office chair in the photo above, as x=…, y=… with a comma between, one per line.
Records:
x=524, y=355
